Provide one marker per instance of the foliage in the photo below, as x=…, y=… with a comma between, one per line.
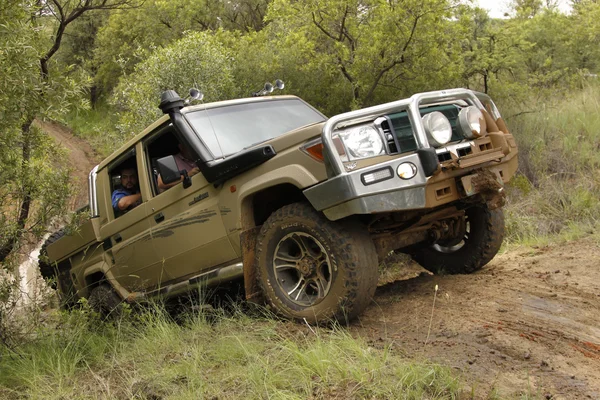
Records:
x=375, y=50
x=151, y=356
x=198, y=60
x=559, y=189
x=33, y=183
x=129, y=36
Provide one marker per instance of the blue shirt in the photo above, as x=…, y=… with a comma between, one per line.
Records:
x=118, y=194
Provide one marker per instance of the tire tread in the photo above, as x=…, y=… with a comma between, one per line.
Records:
x=360, y=267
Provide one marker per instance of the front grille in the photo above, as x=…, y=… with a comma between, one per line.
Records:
x=464, y=151
x=402, y=128
x=389, y=137
x=445, y=156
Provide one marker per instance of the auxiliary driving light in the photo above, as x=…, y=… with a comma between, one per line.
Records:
x=438, y=128
x=407, y=170
x=377, y=176
x=471, y=122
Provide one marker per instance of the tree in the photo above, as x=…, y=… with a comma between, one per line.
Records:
x=130, y=35
x=198, y=60
x=584, y=34
x=491, y=49
x=27, y=173
x=30, y=49
x=396, y=45
x=76, y=54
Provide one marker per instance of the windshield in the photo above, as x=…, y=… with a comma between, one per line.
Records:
x=229, y=129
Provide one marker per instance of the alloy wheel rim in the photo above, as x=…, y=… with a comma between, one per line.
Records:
x=459, y=245
x=302, y=268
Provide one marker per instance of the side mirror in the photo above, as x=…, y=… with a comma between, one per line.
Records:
x=169, y=173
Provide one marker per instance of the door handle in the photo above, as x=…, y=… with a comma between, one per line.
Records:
x=160, y=217
x=117, y=238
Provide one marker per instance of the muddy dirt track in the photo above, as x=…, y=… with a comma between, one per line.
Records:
x=526, y=324
x=82, y=158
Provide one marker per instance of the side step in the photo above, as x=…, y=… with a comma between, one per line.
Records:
x=214, y=277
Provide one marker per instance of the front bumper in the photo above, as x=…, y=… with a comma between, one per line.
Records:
x=347, y=194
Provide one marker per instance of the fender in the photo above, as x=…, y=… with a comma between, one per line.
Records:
x=293, y=174
x=105, y=269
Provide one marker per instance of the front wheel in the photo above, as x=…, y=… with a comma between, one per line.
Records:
x=484, y=232
x=314, y=269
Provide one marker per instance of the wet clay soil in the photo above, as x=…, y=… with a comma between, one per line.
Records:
x=528, y=324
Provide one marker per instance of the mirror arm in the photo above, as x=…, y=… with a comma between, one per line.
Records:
x=187, y=181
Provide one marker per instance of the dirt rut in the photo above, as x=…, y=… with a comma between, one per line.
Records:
x=82, y=158
x=527, y=324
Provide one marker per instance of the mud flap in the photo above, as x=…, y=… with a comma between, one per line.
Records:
x=248, y=243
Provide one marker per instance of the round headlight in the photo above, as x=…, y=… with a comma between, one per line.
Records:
x=407, y=170
x=363, y=141
x=438, y=128
x=471, y=122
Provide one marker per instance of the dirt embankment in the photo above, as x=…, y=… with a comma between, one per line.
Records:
x=527, y=324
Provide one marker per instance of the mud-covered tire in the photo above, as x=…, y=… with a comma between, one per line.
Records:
x=480, y=244
x=334, y=267
x=47, y=269
x=105, y=301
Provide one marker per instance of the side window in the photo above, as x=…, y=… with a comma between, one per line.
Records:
x=124, y=184
x=165, y=143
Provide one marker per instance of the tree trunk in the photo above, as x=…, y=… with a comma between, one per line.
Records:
x=25, y=206
x=485, y=81
x=94, y=95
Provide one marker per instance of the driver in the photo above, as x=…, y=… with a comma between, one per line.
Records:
x=128, y=195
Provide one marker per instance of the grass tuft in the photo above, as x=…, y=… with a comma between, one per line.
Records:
x=215, y=354
x=557, y=191
x=97, y=126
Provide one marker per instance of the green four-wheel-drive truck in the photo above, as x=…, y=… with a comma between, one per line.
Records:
x=300, y=206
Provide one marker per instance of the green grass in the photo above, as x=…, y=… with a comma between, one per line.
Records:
x=97, y=126
x=222, y=355
x=557, y=191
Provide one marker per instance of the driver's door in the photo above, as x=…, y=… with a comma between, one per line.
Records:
x=188, y=234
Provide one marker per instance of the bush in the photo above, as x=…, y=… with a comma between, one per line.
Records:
x=557, y=190
x=198, y=60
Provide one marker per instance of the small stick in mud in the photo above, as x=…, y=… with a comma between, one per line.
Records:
x=431, y=318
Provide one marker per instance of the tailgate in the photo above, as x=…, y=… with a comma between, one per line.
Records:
x=67, y=245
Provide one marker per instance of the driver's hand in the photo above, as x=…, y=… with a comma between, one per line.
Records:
x=193, y=171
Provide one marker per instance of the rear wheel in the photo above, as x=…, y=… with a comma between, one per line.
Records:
x=482, y=238
x=315, y=269
x=47, y=268
x=105, y=301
